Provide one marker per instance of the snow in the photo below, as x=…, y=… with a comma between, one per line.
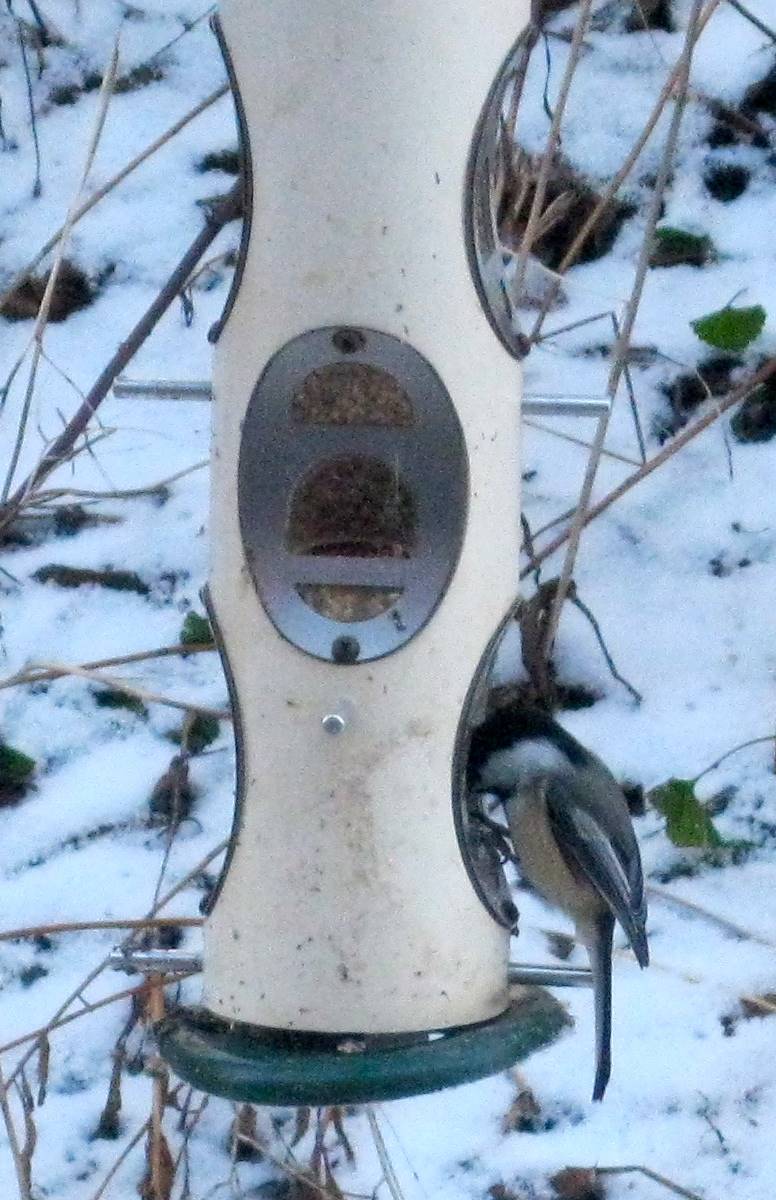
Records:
x=686, y=1099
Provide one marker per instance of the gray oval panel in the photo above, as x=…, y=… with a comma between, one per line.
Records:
x=352, y=492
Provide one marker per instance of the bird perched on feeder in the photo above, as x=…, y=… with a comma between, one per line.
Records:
x=572, y=834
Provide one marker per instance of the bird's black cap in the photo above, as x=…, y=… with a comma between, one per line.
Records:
x=515, y=723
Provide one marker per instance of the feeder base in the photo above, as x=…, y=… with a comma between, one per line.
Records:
x=271, y=1066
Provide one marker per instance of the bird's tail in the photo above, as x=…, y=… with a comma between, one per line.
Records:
x=600, y=951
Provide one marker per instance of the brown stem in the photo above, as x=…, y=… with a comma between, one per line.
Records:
x=227, y=209
x=680, y=441
x=155, y=1011
x=35, y=931
x=21, y=276
x=140, y=693
x=58, y=1017
x=22, y=1177
x=617, y=180
x=41, y=675
x=45, y=1030
x=151, y=489
x=663, y=1180
x=121, y=1158
x=553, y=138
x=731, y=927
x=625, y=331
x=758, y=741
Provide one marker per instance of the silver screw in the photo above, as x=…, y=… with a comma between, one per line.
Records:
x=333, y=723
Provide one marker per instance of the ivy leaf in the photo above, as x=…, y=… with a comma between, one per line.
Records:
x=196, y=630
x=731, y=328
x=687, y=822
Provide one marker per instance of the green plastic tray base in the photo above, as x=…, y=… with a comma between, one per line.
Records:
x=268, y=1066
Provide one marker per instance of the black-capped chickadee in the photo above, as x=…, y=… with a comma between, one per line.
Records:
x=573, y=837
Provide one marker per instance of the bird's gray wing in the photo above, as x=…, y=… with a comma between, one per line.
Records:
x=593, y=838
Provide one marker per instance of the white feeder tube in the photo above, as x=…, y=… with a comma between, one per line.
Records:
x=347, y=906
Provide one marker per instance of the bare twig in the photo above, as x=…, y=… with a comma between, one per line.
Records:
x=187, y=1128
x=130, y=689
x=108, y=1124
x=173, y=786
x=561, y=517
x=46, y=34
x=125, y=1153
x=532, y=616
x=624, y=346
x=295, y=1172
x=575, y=600
x=758, y=741
x=22, y=1178
x=625, y=331
x=686, y=435
x=741, y=123
x=569, y=437
x=36, y=187
x=57, y=927
x=617, y=180
x=389, y=1174
x=88, y=204
x=187, y=28
x=553, y=137
x=106, y=91
x=89, y=1007
x=731, y=927
x=753, y=20
x=158, y=1151
x=663, y=1180
x=575, y=532
x=227, y=209
x=34, y=674
x=149, y=489
x=77, y=994
x=27, y=1150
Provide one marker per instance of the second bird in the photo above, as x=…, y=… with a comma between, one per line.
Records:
x=573, y=836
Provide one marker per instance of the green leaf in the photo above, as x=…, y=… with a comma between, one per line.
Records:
x=196, y=630
x=676, y=247
x=202, y=731
x=687, y=822
x=15, y=768
x=731, y=328
x=113, y=698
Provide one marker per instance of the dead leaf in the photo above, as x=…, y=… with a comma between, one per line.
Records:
x=159, y=1188
x=244, y=1136
x=301, y=1124
x=578, y=1183
x=759, y=1006
x=524, y=1114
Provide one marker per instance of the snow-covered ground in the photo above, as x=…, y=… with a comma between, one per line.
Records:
x=680, y=575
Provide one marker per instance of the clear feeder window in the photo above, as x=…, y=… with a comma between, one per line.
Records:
x=355, y=507
x=351, y=394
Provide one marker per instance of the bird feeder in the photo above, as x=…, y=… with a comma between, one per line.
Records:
x=365, y=535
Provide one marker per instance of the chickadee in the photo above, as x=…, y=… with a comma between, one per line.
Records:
x=572, y=833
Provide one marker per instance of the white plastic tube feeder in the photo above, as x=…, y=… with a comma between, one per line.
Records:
x=365, y=534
